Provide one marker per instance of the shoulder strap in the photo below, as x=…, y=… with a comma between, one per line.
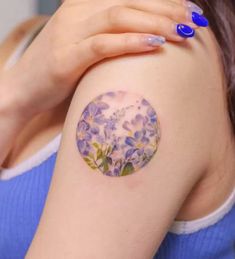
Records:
x=11, y=42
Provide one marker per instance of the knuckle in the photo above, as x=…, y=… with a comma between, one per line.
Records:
x=177, y=12
x=123, y=2
x=114, y=14
x=98, y=46
x=162, y=22
x=130, y=2
x=55, y=61
x=58, y=72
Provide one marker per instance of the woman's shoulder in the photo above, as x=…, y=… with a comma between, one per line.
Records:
x=185, y=83
x=196, y=60
x=181, y=84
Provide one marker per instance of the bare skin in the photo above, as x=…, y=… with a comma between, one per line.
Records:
x=207, y=195
x=46, y=125
x=217, y=178
x=58, y=68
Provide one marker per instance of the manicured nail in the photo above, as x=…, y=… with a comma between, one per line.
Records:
x=184, y=30
x=199, y=19
x=154, y=40
x=192, y=7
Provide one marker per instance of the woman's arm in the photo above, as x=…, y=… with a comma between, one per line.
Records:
x=91, y=215
x=12, y=118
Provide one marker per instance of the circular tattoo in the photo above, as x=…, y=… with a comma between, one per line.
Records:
x=118, y=133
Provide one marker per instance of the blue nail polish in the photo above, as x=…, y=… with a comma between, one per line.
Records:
x=184, y=30
x=199, y=19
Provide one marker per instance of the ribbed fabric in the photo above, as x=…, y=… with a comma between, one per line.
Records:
x=214, y=242
x=22, y=199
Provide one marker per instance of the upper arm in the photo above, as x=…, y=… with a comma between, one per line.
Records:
x=91, y=215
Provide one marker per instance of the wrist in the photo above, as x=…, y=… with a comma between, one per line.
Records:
x=13, y=102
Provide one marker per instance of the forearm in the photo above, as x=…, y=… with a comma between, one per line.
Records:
x=12, y=116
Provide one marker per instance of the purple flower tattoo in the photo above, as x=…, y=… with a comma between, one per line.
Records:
x=116, y=138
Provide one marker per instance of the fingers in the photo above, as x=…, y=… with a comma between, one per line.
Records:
x=120, y=19
x=175, y=11
x=173, y=20
x=101, y=46
x=179, y=1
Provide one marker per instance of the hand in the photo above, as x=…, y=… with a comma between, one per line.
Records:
x=80, y=34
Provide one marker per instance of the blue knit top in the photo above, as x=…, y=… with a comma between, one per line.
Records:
x=23, y=192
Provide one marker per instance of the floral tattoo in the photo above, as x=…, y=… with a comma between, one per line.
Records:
x=118, y=133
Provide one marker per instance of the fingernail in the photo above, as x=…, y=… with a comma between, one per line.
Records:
x=192, y=7
x=199, y=19
x=155, y=41
x=184, y=30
